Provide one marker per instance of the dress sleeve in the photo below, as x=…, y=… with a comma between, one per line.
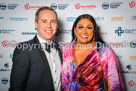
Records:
x=114, y=77
x=67, y=71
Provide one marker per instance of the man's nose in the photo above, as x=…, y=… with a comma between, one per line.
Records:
x=49, y=24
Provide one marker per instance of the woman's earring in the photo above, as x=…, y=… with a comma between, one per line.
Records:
x=75, y=37
x=94, y=37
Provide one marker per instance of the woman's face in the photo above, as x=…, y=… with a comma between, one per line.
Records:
x=84, y=31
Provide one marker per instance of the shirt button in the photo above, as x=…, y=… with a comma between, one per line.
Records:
x=55, y=71
x=53, y=60
x=54, y=82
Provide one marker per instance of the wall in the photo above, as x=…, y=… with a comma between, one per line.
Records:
x=17, y=25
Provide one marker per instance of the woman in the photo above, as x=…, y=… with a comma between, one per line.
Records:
x=88, y=63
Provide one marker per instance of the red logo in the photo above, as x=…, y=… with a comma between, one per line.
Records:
x=132, y=4
x=77, y=6
x=27, y=6
x=5, y=44
x=131, y=83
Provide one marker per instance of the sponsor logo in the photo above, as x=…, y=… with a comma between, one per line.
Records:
x=66, y=31
x=99, y=18
x=117, y=18
x=54, y=6
x=132, y=57
x=133, y=18
x=129, y=70
x=6, y=43
x=18, y=19
x=83, y=7
x=119, y=56
x=62, y=6
x=133, y=44
x=103, y=33
x=105, y=5
x=12, y=6
x=132, y=4
x=59, y=6
x=28, y=6
x=1, y=17
x=10, y=55
x=7, y=31
x=112, y=5
x=124, y=44
x=115, y=5
x=6, y=66
x=4, y=80
x=131, y=83
x=3, y=6
x=71, y=19
x=121, y=31
x=29, y=33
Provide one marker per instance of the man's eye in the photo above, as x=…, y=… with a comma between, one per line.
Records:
x=53, y=21
x=44, y=21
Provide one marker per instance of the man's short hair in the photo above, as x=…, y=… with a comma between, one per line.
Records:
x=43, y=8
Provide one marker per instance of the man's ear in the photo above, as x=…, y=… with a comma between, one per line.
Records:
x=36, y=24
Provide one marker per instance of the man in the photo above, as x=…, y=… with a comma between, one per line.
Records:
x=36, y=68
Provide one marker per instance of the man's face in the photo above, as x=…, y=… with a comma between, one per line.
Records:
x=46, y=25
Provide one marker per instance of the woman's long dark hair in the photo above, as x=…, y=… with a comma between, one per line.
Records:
x=96, y=28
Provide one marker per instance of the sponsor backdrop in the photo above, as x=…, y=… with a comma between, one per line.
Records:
x=116, y=19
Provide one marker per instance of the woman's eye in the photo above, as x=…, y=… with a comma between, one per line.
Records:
x=89, y=27
x=80, y=27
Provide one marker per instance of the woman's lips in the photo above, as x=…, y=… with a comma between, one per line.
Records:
x=84, y=36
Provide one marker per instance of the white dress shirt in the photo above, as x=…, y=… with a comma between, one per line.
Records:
x=54, y=63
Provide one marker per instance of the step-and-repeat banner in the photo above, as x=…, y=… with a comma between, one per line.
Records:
x=116, y=19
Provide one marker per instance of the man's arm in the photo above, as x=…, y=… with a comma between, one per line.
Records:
x=20, y=70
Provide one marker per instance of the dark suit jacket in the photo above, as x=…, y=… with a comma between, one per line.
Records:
x=30, y=70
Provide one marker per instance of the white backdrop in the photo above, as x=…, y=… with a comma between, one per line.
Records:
x=17, y=25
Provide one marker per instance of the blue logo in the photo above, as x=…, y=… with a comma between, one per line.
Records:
x=1, y=17
x=10, y=55
x=71, y=19
x=18, y=19
x=99, y=18
x=129, y=67
x=133, y=44
x=65, y=31
x=105, y=5
x=4, y=80
x=62, y=6
x=6, y=65
x=12, y=6
x=115, y=4
x=3, y=6
x=54, y=6
x=119, y=31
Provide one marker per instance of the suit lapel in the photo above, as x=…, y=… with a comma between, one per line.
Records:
x=45, y=61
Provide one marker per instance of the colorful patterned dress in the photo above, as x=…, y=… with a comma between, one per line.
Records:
x=95, y=73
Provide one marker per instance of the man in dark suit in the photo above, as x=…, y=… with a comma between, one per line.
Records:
x=37, y=65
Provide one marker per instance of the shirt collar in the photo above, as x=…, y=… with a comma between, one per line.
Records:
x=42, y=41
